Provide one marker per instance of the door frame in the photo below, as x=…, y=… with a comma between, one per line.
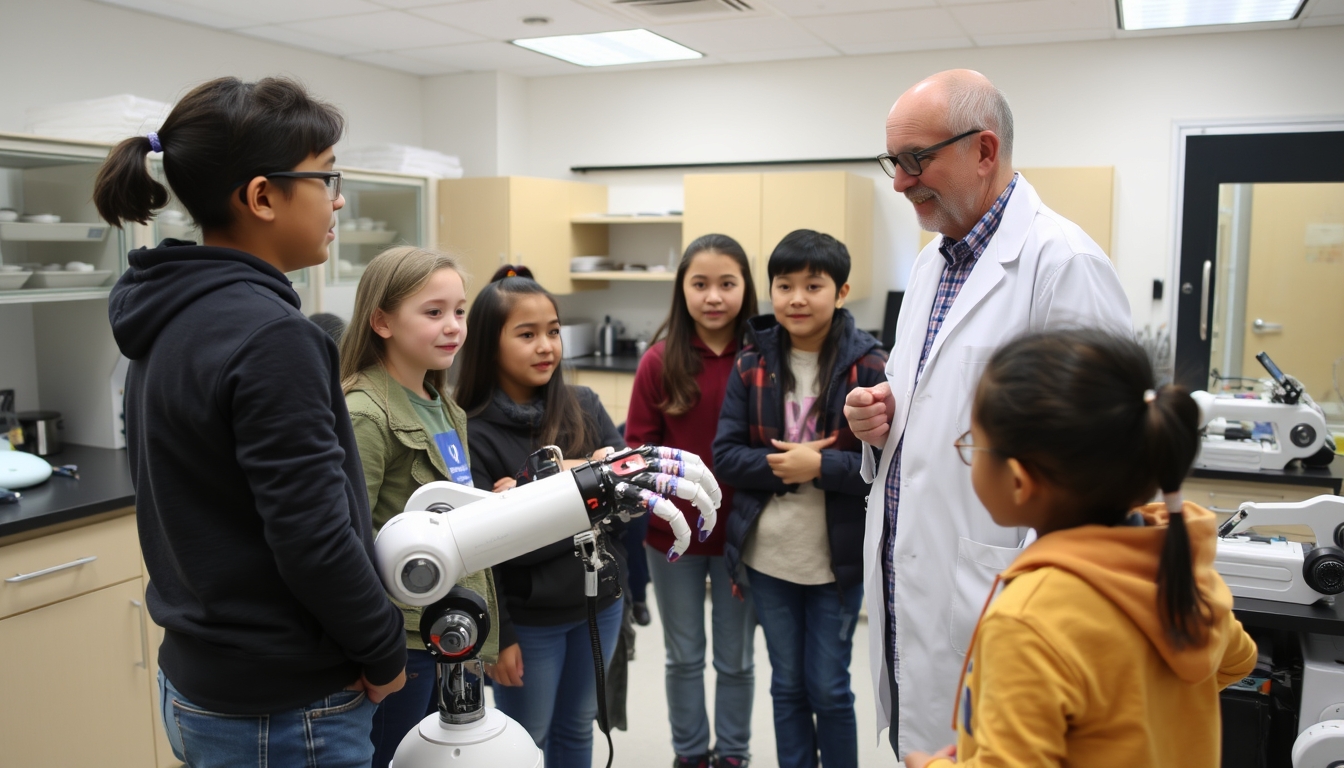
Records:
x=1208, y=154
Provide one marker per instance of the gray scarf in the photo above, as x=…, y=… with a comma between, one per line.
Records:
x=524, y=415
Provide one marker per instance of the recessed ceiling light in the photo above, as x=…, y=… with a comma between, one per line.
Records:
x=605, y=49
x=1166, y=14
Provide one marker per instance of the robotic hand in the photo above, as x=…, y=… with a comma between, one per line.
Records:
x=449, y=530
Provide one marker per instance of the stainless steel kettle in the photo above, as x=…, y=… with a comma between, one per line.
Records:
x=606, y=337
x=41, y=432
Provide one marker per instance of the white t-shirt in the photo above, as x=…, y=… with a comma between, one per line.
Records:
x=790, y=541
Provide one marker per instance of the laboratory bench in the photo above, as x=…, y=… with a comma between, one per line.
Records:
x=104, y=486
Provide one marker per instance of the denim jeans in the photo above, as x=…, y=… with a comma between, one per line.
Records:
x=809, y=633
x=331, y=732
x=636, y=570
x=679, y=589
x=401, y=712
x=557, y=701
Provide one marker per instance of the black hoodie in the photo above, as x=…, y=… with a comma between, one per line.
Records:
x=250, y=499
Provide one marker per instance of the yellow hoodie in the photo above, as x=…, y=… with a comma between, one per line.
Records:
x=1072, y=666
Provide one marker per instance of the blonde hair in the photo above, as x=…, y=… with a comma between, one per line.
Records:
x=392, y=276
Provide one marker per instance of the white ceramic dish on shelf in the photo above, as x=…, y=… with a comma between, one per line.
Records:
x=10, y=281
x=41, y=218
x=68, y=279
x=66, y=232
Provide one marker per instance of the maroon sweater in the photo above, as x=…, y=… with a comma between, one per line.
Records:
x=692, y=431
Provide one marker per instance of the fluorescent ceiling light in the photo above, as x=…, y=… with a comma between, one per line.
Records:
x=1165, y=14
x=604, y=49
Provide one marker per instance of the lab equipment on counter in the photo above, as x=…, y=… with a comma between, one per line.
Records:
x=449, y=530
x=22, y=470
x=1272, y=568
x=1249, y=433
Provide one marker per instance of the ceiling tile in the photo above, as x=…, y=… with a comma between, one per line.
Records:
x=297, y=39
x=189, y=13
x=273, y=12
x=1031, y=38
x=1035, y=16
x=403, y=4
x=476, y=57
x=799, y=8
x=782, y=54
x=739, y=35
x=912, y=44
x=950, y=3
x=1323, y=21
x=861, y=33
x=404, y=63
x=503, y=19
x=386, y=31
x=1324, y=8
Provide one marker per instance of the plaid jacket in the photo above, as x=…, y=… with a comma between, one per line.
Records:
x=753, y=415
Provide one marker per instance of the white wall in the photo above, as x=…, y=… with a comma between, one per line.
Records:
x=1094, y=103
x=55, y=51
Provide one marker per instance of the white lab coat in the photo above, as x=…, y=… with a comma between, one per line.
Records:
x=1038, y=271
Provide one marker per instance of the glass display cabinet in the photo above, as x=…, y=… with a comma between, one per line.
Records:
x=53, y=244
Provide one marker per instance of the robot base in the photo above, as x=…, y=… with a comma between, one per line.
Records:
x=494, y=741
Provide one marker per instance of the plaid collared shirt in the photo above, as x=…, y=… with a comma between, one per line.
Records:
x=961, y=257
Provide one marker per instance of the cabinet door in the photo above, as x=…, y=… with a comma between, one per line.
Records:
x=76, y=682
x=727, y=204
x=834, y=202
x=474, y=226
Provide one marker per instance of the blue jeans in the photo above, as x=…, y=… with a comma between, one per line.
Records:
x=809, y=633
x=331, y=732
x=680, y=591
x=557, y=701
x=636, y=570
x=401, y=712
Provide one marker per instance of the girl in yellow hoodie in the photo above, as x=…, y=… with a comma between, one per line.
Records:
x=1113, y=634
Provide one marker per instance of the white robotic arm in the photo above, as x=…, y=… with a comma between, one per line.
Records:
x=450, y=530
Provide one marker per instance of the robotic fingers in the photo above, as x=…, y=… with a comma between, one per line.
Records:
x=644, y=478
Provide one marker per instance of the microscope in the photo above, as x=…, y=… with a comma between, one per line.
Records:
x=449, y=530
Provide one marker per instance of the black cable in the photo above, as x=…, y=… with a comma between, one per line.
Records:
x=601, y=675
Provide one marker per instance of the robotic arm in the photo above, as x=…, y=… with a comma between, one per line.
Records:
x=450, y=530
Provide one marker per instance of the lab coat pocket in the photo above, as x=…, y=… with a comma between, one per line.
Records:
x=973, y=362
x=977, y=565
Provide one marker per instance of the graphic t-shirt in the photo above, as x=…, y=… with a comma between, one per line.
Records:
x=790, y=541
x=435, y=421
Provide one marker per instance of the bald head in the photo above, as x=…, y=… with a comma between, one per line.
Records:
x=960, y=100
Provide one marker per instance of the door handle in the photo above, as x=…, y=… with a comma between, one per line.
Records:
x=1260, y=326
x=143, y=663
x=53, y=569
x=1204, y=302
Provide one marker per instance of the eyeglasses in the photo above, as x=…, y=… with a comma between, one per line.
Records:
x=966, y=448
x=911, y=162
x=330, y=179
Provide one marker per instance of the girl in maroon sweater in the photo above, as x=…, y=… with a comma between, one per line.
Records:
x=675, y=402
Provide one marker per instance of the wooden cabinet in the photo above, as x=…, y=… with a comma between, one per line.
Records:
x=77, y=666
x=759, y=209
x=491, y=221
x=612, y=388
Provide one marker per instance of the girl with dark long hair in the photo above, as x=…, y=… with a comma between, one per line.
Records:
x=676, y=398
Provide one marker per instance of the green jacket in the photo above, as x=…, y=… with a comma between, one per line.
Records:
x=399, y=456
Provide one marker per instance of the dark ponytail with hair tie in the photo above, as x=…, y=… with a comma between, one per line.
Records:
x=124, y=189
x=1171, y=435
x=511, y=270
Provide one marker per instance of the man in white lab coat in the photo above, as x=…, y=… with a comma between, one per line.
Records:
x=1004, y=265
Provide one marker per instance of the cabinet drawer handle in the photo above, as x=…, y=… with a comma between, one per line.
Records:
x=143, y=663
x=52, y=569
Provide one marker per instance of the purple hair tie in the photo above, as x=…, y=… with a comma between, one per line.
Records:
x=154, y=142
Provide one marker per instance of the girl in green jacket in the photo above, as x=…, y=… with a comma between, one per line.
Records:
x=409, y=321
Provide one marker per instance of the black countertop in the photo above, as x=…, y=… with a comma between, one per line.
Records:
x=614, y=364
x=104, y=485
x=1323, y=618
x=1324, y=477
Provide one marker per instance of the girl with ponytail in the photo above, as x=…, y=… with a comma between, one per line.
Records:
x=1113, y=634
x=250, y=498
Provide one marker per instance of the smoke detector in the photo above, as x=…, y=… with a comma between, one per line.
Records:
x=673, y=11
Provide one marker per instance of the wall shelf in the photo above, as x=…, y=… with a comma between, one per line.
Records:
x=623, y=218
x=62, y=232
x=36, y=295
x=633, y=276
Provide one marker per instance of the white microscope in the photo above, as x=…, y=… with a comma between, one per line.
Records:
x=1271, y=568
x=450, y=530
